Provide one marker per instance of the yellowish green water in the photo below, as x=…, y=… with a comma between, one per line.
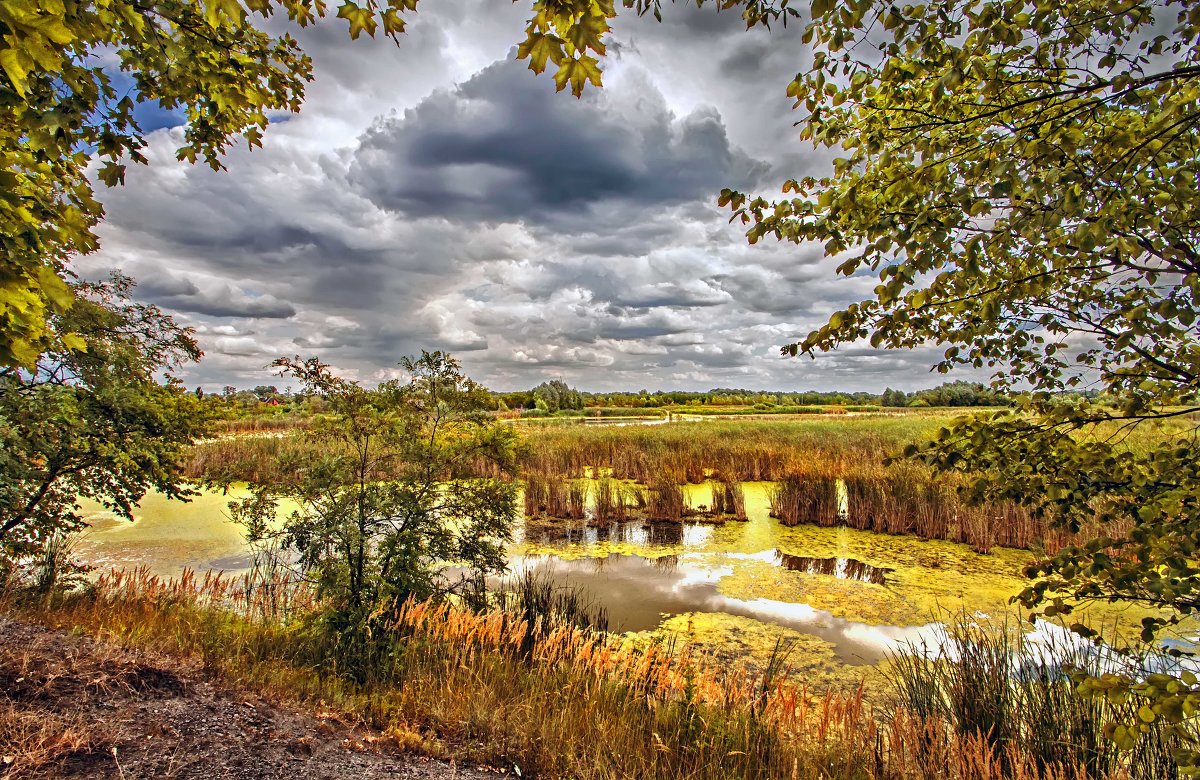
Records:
x=167, y=536
x=842, y=599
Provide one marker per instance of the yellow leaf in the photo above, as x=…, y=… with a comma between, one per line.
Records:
x=74, y=342
x=16, y=64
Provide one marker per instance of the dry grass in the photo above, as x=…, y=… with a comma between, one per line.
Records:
x=806, y=498
x=547, y=696
x=35, y=741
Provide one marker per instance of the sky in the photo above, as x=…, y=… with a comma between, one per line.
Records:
x=438, y=195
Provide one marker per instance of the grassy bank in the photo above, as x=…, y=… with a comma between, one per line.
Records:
x=549, y=697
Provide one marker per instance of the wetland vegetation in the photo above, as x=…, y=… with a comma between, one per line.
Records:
x=723, y=584
x=717, y=545
x=780, y=586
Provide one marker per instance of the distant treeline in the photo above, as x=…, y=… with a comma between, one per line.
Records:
x=269, y=408
x=557, y=396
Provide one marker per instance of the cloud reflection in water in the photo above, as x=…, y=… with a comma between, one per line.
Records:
x=638, y=593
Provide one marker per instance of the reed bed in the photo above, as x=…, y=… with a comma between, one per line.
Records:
x=907, y=499
x=665, y=502
x=616, y=500
x=275, y=423
x=806, y=498
x=541, y=693
x=609, y=505
x=902, y=499
x=827, y=472
x=729, y=499
x=749, y=451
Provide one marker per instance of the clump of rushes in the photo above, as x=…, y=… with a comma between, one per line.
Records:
x=610, y=501
x=577, y=499
x=536, y=494
x=900, y=499
x=533, y=686
x=1015, y=698
x=729, y=499
x=665, y=501
x=806, y=498
x=552, y=496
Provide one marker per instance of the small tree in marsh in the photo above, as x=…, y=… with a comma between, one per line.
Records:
x=395, y=502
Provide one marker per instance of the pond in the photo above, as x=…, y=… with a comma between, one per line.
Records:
x=841, y=599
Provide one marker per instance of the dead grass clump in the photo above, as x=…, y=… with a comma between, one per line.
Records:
x=665, y=502
x=34, y=741
x=729, y=499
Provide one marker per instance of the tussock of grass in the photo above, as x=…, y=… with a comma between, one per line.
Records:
x=1002, y=691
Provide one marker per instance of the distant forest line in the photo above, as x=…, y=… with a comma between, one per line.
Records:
x=556, y=396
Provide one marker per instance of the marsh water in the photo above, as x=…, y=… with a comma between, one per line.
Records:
x=841, y=599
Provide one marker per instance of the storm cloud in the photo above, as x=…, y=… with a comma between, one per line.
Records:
x=439, y=195
x=503, y=146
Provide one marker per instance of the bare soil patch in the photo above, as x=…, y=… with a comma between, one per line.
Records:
x=76, y=707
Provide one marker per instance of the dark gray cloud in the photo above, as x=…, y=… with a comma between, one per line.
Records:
x=221, y=300
x=504, y=146
x=438, y=195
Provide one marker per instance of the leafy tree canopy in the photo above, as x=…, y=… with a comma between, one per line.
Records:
x=99, y=424
x=1021, y=179
x=214, y=60
x=557, y=394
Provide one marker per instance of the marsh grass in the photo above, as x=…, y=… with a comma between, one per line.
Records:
x=577, y=500
x=665, y=501
x=729, y=499
x=542, y=604
x=263, y=423
x=805, y=458
x=615, y=501
x=532, y=685
x=998, y=689
x=806, y=498
x=609, y=505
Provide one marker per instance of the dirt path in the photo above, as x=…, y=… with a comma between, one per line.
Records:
x=73, y=707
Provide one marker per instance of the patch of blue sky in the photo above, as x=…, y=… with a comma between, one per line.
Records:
x=149, y=114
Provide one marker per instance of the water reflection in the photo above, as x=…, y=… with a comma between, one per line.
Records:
x=621, y=422
x=638, y=534
x=638, y=593
x=842, y=568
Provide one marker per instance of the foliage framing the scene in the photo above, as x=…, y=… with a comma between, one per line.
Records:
x=1021, y=179
x=402, y=489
